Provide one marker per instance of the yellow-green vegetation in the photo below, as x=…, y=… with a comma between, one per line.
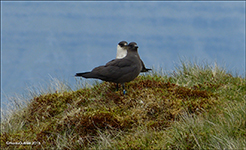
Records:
x=194, y=107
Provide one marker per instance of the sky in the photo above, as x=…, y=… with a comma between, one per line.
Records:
x=45, y=40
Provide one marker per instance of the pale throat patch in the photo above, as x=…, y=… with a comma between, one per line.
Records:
x=121, y=53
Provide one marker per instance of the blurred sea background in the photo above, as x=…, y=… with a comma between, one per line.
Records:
x=44, y=40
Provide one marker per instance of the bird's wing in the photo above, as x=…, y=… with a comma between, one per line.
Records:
x=119, y=63
x=114, y=70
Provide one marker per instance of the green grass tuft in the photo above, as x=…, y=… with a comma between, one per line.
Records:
x=198, y=106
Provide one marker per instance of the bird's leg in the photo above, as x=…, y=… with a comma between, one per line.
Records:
x=117, y=87
x=124, y=91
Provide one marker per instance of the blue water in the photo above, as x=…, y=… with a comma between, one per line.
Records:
x=41, y=40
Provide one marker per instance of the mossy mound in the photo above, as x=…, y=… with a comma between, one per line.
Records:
x=150, y=101
x=180, y=111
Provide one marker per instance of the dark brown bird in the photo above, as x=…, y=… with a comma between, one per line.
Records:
x=122, y=51
x=118, y=70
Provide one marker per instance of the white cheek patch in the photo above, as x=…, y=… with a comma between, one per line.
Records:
x=121, y=53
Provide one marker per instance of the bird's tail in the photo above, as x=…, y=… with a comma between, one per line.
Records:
x=86, y=75
x=145, y=70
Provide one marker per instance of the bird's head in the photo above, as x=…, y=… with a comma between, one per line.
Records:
x=133, y=46
x=121, y=49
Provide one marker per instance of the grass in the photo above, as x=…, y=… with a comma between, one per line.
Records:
x=198, y=106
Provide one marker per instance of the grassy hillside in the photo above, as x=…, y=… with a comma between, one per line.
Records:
x=195, y=107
